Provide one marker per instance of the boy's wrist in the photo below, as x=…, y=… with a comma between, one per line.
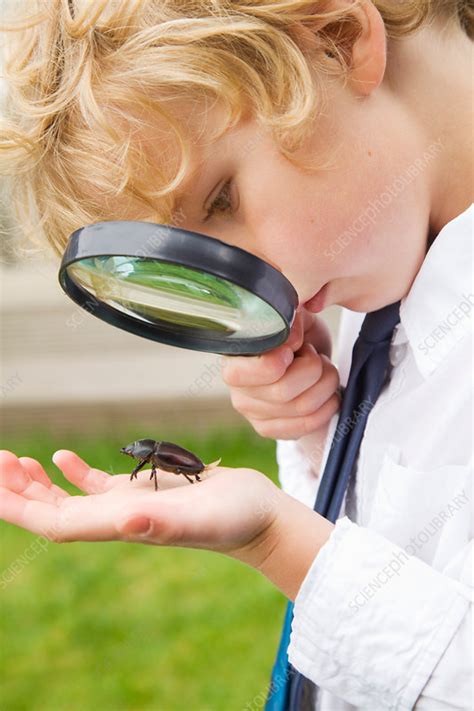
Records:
x=286, y=549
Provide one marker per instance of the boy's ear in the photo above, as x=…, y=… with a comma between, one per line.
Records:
x=360, y=38
x=369, y=51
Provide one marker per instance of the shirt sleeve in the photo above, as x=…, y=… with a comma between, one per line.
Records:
x=382, y=629
x=297, y=475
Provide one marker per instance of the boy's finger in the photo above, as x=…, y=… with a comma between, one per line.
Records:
x=245, y=371
x=12, y=474
x=308, y=319
x=304, y=372
x=36, y=472
x=304, y=404
x=15, y=477
x=296, y=427
x=319, y=335
x=78, y=518
x=79, y=473
x=296, y=337
x=35, y=516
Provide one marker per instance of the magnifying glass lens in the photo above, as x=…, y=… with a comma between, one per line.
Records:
x=178, y=287
x=160, y=293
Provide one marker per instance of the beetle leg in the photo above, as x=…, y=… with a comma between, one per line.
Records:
x=187, y=477
x=198, y=477
x=153, y=474
x=137, y=469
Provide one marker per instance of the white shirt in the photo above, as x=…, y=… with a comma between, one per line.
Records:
x=383, y=619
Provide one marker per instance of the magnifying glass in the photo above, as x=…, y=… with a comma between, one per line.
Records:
x=178, y=287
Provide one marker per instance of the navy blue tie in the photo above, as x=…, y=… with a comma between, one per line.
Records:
x=289, y=690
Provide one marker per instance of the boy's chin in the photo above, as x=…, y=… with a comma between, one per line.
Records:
x=367, y=303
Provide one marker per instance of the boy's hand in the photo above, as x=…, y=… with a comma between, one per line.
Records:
x=238, y=512
x=228, y=511
x=292, y=390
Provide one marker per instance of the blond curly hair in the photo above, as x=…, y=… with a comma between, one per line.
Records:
x=85, y=77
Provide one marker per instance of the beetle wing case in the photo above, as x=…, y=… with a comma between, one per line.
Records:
x=174, y=456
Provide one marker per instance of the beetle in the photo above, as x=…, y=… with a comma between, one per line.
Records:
x=168, y=456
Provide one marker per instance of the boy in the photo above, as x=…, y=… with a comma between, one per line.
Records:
x=366, y=92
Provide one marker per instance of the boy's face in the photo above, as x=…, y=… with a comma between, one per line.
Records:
x=359, y=225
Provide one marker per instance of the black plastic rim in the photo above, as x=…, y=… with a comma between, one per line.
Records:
x=189, y=249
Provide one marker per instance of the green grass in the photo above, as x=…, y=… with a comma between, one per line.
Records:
x=115, y=626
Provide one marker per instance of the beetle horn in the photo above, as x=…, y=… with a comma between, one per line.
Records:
x=213, y=464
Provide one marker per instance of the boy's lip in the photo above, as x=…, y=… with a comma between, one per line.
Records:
x=316, y=302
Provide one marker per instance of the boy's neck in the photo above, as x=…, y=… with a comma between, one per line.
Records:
x=431, y=73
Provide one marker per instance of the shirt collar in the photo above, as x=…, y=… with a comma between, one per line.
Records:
x=436, y=313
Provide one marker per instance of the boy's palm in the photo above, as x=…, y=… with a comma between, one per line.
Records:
x=225, y=511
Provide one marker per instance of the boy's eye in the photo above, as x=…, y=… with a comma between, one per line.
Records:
x=222, y=202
